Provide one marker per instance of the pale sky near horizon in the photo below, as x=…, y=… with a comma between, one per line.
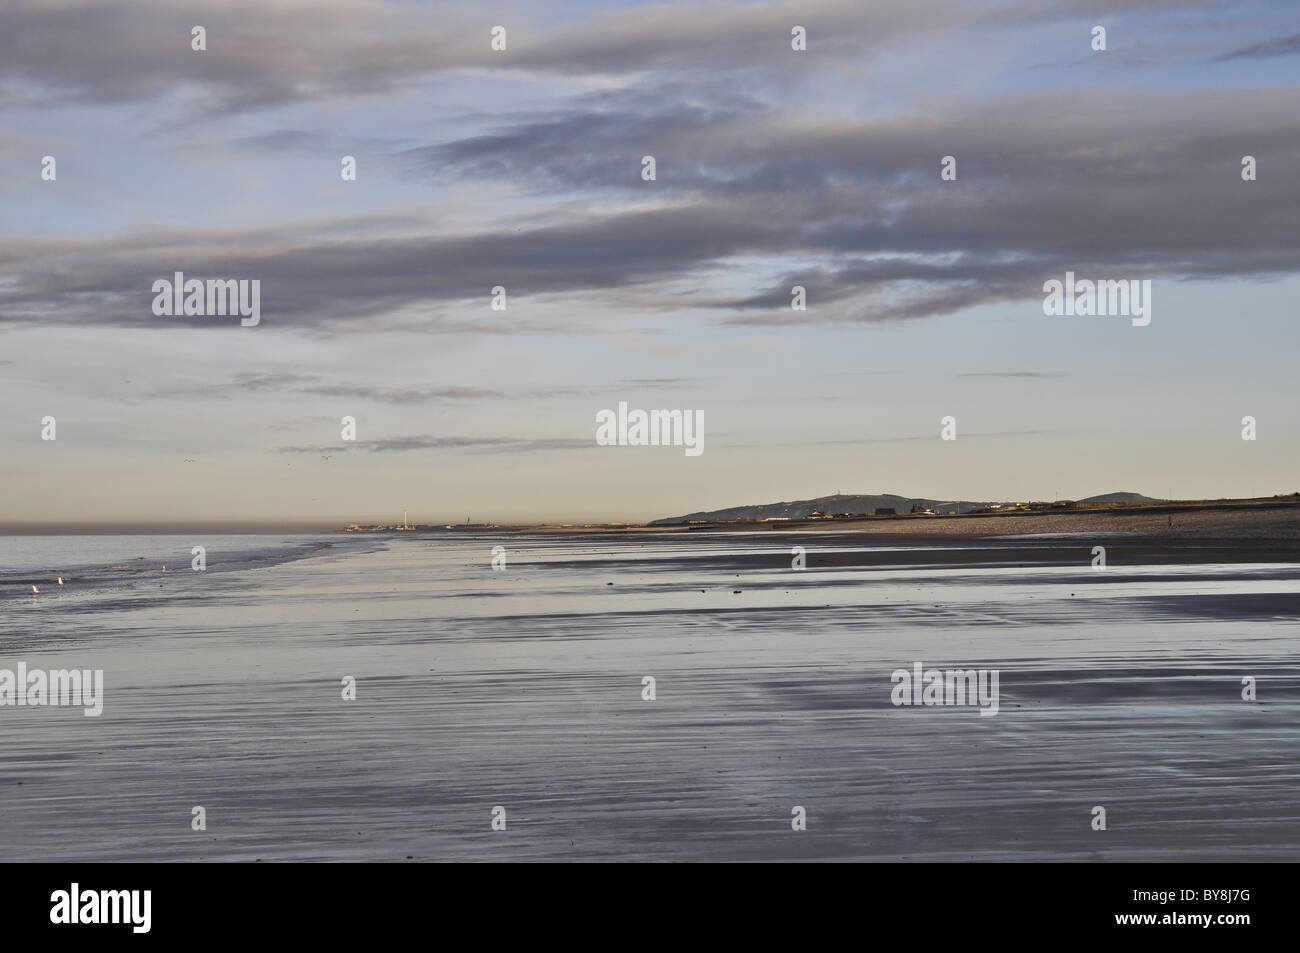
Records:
x=522, y=168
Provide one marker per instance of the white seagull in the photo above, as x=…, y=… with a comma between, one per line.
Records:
x=60, y=580
x=34, y=589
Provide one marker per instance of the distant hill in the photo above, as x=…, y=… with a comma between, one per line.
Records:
x=853, y=504
x=1121, y=498
x=863, y=505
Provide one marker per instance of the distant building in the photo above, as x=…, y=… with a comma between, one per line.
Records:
x=885, y=511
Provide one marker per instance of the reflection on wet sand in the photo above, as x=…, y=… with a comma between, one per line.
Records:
x=523, y=688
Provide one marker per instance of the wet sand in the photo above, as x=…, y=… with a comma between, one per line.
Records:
x=522, y=688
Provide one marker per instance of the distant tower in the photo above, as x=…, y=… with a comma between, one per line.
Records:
x=404, y=526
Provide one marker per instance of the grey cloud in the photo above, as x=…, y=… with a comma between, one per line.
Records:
x=477, y=444
x=257, y=53
x=301, y=423
x=1114, y=184
x=596, y=140
x=964, y=436
x=399, y=395
x=261, y=54
x=316, y=385
x=317, y=142
x=1010, y=374
x=1281, y=46
x=352, y=285
x=247, y=380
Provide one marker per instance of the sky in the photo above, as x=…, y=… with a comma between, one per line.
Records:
x=522, y=169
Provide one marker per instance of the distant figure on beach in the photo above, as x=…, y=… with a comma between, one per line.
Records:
x=60, y=580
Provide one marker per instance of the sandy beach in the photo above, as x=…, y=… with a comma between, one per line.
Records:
x=523, y=688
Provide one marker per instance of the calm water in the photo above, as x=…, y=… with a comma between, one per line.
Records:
x=65, y=554
x=522, y=688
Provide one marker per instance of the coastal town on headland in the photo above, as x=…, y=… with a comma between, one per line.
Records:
x=900, y=514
